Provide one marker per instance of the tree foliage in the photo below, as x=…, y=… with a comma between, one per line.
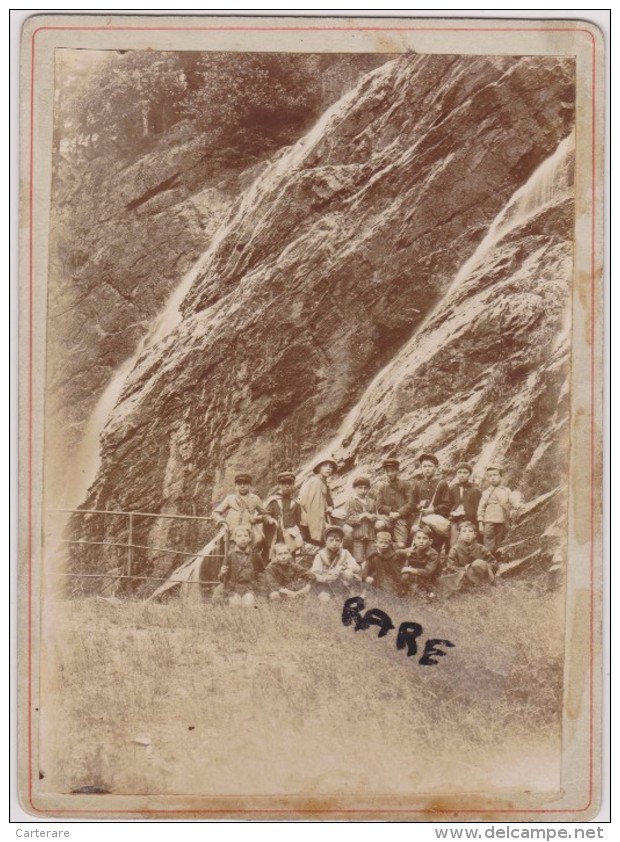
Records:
x=255, y=101
x=250, y=102
x=136, y=95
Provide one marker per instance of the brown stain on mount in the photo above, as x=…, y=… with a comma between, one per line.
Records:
x=578, y=648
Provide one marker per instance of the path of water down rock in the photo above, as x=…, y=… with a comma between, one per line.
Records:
x=550, y=183
x=341, y=266
x=88, y=460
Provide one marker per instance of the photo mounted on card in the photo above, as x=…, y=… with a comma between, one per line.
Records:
x=311, y=334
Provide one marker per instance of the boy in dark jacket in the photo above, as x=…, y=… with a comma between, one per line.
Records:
x=395, y=503
x=361, y=515
x=464, y=499
x=468, y=549
x=240, y=573
x=422, y=567
x=471, y=559
x=285, y=513
x=431, y=496
x=285, y=578
x=383, y=568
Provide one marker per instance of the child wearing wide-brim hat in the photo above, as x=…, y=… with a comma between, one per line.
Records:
x=316, y=500
x=319, y=465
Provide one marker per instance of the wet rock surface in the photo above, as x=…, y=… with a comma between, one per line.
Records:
x=344, y=258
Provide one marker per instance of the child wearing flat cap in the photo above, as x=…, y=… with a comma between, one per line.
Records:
x=395, y=503
x=464, y=500
x=285, y=512
x=243, y=508
x=316, y=501
x=361, y=516
x=495, y=510
x=334, y=568
x=431, y=495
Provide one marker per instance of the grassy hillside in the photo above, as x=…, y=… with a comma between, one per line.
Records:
x=282, y=698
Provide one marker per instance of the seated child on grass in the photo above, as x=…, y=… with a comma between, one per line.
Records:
x=334, y=568
x=361, y=515
x=422, y=566
x=284, y=577
x=383, y=567
x=467, y=550
x=240, y=573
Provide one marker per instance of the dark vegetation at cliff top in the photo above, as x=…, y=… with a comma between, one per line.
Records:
x=244, y=106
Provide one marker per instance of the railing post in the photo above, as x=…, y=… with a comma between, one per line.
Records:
x=130, y=545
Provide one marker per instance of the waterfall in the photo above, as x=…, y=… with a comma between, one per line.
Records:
x=552, y=178
x=265, y=185
x=88, y=458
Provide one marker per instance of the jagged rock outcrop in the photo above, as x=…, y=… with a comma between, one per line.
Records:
x=334, y=258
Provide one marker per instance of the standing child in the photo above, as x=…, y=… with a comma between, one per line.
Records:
x=422, y=567
x=334, y=568
x=431, y=500
x=316, y=501
x=495, y=510
x=243, y=508
x=285, y=512
x=464, y=500
x=361, y=515
x=395, y=503
x=240, y=573
x=383, y=568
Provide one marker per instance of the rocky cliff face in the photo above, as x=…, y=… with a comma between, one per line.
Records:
x=127, y=225
x=340, y=288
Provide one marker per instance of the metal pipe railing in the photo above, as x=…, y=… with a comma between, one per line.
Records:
x=129, y=544
x=136, y=514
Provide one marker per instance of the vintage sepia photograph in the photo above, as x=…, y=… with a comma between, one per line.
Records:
x=311, y=423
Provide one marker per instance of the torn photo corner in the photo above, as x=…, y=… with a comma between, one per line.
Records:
x=311, y=437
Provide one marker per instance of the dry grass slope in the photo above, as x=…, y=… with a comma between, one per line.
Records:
x=147, y=698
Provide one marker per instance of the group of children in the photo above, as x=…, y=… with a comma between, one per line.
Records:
x=399, y=538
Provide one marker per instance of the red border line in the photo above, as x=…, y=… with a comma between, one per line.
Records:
x=228, y=811
x=30, y=422
x=592, y=410
x=309, y=29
